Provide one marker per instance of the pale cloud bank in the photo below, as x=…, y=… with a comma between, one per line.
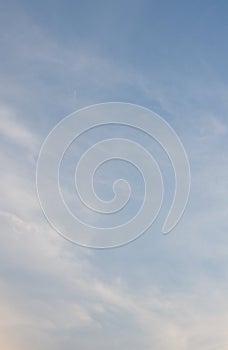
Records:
x=54, y=295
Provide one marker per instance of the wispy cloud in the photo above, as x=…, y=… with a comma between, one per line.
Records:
x=55, y=295
x=14, y=131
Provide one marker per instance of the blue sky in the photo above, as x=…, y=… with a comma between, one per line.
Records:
x=159, y=292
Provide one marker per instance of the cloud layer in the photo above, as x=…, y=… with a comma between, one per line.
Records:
x=159, y=292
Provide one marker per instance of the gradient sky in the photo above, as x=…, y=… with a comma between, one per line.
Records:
x=159, y=292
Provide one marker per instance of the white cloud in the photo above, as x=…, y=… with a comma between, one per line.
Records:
x=52, y=296
x=14, y=131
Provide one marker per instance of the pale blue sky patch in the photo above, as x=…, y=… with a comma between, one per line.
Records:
x=160, y=292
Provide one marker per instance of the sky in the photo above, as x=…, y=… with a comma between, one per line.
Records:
x=160, y=291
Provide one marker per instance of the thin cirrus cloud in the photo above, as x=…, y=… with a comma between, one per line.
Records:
x=156, y=293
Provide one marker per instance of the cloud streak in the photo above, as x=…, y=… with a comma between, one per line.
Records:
x=157, y=293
